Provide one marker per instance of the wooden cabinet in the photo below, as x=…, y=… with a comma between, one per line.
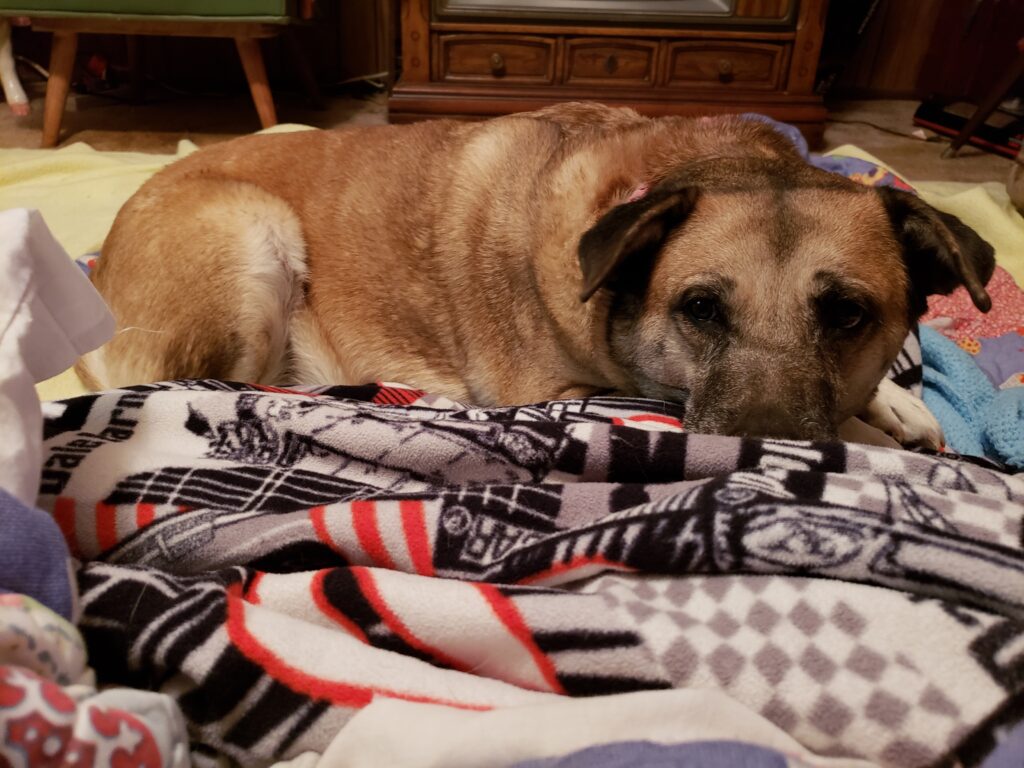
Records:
x=610, y=62
x=726, y=65
x=495, y=58
x=479, y=58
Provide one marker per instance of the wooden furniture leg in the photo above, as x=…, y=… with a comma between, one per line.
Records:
x=256, y=74
x=62, y=62
x=987, y=107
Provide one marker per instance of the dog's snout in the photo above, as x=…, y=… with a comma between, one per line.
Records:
x=764, y=421
x=777, y=421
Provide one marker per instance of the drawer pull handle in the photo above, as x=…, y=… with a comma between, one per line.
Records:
x=497, y=63
x=724, y=70
x=611, y=64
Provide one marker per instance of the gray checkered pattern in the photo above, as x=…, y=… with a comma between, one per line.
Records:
x=847, y=669
x=983, y=518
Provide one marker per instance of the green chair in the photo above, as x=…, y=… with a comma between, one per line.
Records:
x=244, y=20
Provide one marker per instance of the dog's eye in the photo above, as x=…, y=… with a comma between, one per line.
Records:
x=845, y=315
x=703, y=309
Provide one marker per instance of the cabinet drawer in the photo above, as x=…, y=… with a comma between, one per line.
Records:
x=483, y=58
x=718, y=64
x=597, y=61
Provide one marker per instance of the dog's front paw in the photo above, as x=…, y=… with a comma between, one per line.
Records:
x=903, y=417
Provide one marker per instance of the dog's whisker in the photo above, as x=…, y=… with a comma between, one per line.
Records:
x=137, y=328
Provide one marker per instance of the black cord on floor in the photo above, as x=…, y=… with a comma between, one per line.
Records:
x=888, y=130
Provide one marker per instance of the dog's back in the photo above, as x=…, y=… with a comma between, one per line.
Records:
x=207, y=267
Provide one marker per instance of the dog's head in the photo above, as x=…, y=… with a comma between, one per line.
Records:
x=770, y=295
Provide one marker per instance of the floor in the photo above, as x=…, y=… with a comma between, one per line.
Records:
x=872, y=126
x=882, y=128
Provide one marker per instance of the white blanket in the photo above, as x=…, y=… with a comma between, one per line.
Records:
x=49, y=315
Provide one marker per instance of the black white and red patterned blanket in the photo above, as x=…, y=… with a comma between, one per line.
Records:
x=276, y=560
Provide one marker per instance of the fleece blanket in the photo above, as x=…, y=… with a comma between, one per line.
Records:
x=277, y=561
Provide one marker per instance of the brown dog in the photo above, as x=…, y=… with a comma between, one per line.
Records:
x=552, y=254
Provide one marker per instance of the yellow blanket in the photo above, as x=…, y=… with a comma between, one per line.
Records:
x=79, y=191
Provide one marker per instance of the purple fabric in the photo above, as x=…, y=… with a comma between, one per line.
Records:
x=34, y=556
x=646, y=754
x=1001, y=357
x=1010, y=752
x=861, y=171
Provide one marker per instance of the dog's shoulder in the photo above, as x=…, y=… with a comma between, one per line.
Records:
x=667, y=140
x=578, y=119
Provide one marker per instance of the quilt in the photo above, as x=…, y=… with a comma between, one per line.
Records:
x=278, y=560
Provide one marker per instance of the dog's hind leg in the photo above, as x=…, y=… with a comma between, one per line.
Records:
x=203, y=277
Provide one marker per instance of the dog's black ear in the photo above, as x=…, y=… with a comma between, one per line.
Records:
x=940, y=251
x=630, y=230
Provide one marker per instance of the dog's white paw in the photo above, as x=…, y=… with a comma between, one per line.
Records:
x=903, y=417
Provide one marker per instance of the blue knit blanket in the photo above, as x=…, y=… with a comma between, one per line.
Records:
x=978, y=418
